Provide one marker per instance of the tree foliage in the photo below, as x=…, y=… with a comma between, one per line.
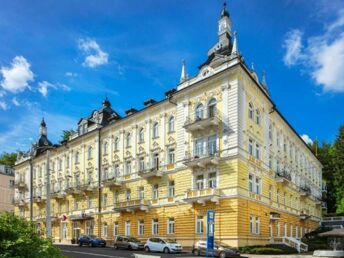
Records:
x=66, y=134
x=8, y=159
x=18, y=239
x=338, y=167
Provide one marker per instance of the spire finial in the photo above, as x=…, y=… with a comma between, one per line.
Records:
x=252, y=67
x=43, y=128
x=264, y=79
x=183, y=75
x=235, y=50
x=224, y=10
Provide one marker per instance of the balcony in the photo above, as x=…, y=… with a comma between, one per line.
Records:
x=132, y=206
x=203, y=195
x=274, y=216
x=283, y=177
x=202, y=159
x=39, y=198
x=111, y=180
x=74, y=188
x=89, y=187
x=19, y=202
x=20, y=184
x=154, y=171
x=305, y=190
x=304, y=214
x=199, y=122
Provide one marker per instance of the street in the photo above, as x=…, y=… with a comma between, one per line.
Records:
x=73, y=251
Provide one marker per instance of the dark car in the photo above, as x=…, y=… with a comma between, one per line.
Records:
x=220, y=250
x=91, y=240
x=127, y=242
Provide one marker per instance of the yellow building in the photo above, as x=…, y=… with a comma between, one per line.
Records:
x=217, y=141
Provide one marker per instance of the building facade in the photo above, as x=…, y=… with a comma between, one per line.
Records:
x=217, y=141
x=6, y=188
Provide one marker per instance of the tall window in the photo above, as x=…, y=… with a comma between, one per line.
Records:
x=155, y=192
x=116, y=169
x=76, y=157
x=199, y=225
x=212, y=108
x=251, y=225
x=89, y=202
x=212, y=180
x=105, y=198
x=141, y=164
x=257, y=225
x=128, y=167
x=115, y=197
x=212, y=148
x=115, y=229
x=250, y=111
x=128, y=195
x=171, y=156
x=141, y=193
x=128, y=140
x=270, y=132
x=155, y=130
x=89, y=227
x=155, y=226
x=89, y=152
x=141, y=228
x=170, y=226
x=127, y=228
x=200, y=182
x=254, y=184
x=116, y=144
x=171, y=124
x=156, y=160
x=270, y=192
x=199, y=112
x=171, y=189
x=257, y=117
x=250, y=147
x=141, y=135
x=105, y=148
x=257, y=151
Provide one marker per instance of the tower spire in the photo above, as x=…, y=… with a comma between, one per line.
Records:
x=264, y=79
x=183, y=75
x=235, y=50
x=43, y=128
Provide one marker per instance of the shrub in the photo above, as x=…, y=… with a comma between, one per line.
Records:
x=314, y=241
x=18, y=239
x=266, y=250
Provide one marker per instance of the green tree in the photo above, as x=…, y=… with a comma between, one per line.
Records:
x=8, y=159
x=66, y=134
x=18, y=239
x=338, y=165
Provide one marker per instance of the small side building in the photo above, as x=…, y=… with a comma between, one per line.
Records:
x=6, y=188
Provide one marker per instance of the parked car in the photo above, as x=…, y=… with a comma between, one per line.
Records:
x=91, y=240
x=157, y=244
x=130, y=243
x=220, y=250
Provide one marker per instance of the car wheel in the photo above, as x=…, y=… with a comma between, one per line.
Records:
x=196, y=252
x=129, y=247
x=80, y=244
x=222, y=255
x=147, y=249
x=115, y=246
x=166, y=250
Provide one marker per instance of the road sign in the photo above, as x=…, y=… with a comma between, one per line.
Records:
x=210, y=232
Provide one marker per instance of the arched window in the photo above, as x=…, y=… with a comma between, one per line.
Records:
x=141, y=135
x=199, y=112
x=257, y=117
x=171, y=124
x=211, y=107
x=250, y=111
x=115, y=144
x=105, y=148
x=89, y=152
x=155, y=130
x=128, y=139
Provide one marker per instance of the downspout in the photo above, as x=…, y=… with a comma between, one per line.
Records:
x=99, y=185
x=31, y=190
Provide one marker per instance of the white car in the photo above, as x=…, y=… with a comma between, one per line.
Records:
x=157, y=244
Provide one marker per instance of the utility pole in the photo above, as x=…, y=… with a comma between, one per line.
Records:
x=48, y=217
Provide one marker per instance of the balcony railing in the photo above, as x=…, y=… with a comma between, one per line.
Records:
x=74, y=188
x=203, y=195
x=304, y=214
x=152, y=171
x=305, y=190
x=202, y=158
x=132, y=205
x=89, y=186
x=39, y=198
x=19, y=201
x=283, y=176
x=111, y=179
x=20, y=183
x=199, y=121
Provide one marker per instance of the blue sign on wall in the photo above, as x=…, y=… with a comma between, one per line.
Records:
x=210, y=231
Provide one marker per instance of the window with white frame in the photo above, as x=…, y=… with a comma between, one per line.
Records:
x=127, y=228
x=128, y=140
x=89, y=227
x=128, y=167
x=251, y=224
x=291, y=230
x=141, y=228
x=250, y=111
x=128, y=194
x=116, y=144
x=171, y=124
x=156, y=160
x=211, y=107
x=212, y=144
x=258, y=183
x=155, y=130
x=171, y=156
x=257, y=225
x=171, y=189
x=278, y=196
x=250, y=147
x=199, y=112
x=141, y=164
x=254, y=183
x=257, y=151
x=105, y=198
x=278, y=229
x=141, y=135
x=200, y=182
x=155, y=192
x=89, y=202
x=155, y=226
x=270, y=192
x=105, y=148
x=199, y=225
x=141, y=193
x=170, y=226
x=270, y=132
x=285, y=229
x=115, y=229
x=199, y=150
x=76, y=157
x=116, y=170
x=270, y=162
x=212, y=180
x=257, y=117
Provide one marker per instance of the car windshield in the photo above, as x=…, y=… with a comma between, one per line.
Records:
x=222, y=245
x=133, y=239
x=170, y=241
x=93, y=236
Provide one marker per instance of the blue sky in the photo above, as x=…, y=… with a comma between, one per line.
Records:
x=58, y=59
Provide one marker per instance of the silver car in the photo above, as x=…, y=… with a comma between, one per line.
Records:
x=220, y=250
x=127, y=242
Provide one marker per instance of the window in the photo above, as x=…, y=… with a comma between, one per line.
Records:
x=170, y=226
x=89, y=227
x=250, y=111
x=250, y=182
x=128, y=140
x=200, y=182
x=115, y=197
x=171, y=189
x=171, y=156
x=212, y=149
x=257, y=117
x=127, y=228
x=270, y=133
x=199, y=225
x=128, y=195
x=89, y=202
x=199, y=112
x=257, y=151
x=141, y=228
x=257, y=225
x=212, y=180
x=116, y=144
x=116, y=170
x=76, y=157
x=155, y=226
x=285, y=229
x=141, y=164
x=155, y=192
x=89, y=152
x=171, y=124
x=270, y=192
x=199, y=147
x=141, y=193
x=105, y=148
x=251, y=225
x=115, y=229
x=291, y=230
x=254, y=184
x=278, y=196
x=156, y=160
x=278, y=229
x=250, y=147
x=258, y=185
x=141, y=135
x=212, y=108
x=60, y=164
x=270, y=162
x=105, y=198
x=76, y=205
x=128, y=167
x=155, y=130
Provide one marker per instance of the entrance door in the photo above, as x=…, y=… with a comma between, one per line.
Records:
x=64, y=231
x=76, y=230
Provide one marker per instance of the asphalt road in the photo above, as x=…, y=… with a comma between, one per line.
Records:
x=72, y=251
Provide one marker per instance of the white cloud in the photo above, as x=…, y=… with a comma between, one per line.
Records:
x=15, y=102
x=307, y=139
x=16, y=78
x=322, y=57
x=94, y=55
x=293, y=46
x=3, y=105
x=43, y=87
x=70, y=74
